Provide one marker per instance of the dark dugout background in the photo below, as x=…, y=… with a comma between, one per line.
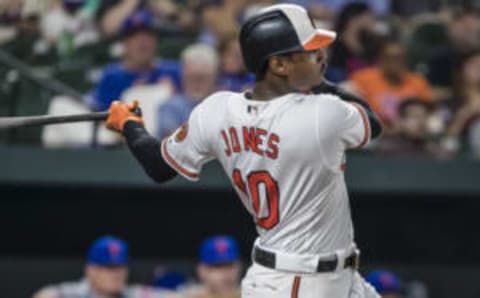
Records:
x=423, y=224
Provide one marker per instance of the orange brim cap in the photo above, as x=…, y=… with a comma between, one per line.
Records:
x=320, y=39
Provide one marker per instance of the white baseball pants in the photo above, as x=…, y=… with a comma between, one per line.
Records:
x=263, y=282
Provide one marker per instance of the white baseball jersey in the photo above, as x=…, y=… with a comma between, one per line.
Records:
x=285, y=158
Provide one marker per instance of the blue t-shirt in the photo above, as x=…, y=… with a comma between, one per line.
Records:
x=235, y=82
x=116, y=79
x=173, y=113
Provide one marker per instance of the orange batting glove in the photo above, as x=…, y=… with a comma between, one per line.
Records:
x=120, y=112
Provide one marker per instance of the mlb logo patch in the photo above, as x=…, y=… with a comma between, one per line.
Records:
x=114, y=249
x=386, y=280
x=221, y=246
x=181, y=133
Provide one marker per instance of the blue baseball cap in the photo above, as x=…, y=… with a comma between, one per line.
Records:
x=108, y=251
x=385, y=282
x=139, y=20
x=219, y=249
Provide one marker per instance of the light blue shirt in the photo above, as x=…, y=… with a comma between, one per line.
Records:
x=173, y=113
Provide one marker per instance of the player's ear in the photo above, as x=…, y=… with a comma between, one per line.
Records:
x=323, y=58
x=278, y=65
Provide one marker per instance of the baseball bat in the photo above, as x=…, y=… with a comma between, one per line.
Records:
x=16, y=122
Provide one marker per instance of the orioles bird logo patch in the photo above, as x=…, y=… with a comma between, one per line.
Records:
x=181, y=133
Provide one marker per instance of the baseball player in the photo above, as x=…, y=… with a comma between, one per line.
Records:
x=218, y=270
x=106, y=273
x=284, y=151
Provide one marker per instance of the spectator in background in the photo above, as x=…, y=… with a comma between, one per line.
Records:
x=199, y=77
x=218, y=270
x=464, y=34
x=219, y=19
x=390, y=82
x=379, y=7
x=233, y=74
x=408, y=8
x=138, y=66
x=170, y=15
x=70, y=24
x=387, y=284
x=353, y=49
x=10, y=15
x=466, y=119
x=106, y=274
x=19, y=22
x=254, y=6
x=411, y=132
x=10, y=10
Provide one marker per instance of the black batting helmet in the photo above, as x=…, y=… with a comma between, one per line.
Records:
x=277, y=30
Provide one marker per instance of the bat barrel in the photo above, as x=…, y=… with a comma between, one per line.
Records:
x=14, y=122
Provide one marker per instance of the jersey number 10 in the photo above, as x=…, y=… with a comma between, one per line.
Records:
x=254, y=181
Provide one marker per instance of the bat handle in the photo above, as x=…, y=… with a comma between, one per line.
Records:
x=137, y=111
x=104, y=115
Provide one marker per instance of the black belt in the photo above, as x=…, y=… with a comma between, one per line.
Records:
x=268, y=259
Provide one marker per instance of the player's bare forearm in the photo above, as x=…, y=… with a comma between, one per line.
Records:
x=146, y=150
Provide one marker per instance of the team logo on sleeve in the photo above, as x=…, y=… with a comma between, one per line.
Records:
x=181, y=133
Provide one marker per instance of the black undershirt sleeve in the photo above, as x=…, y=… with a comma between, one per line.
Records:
x=146, y=150
x=375, y=123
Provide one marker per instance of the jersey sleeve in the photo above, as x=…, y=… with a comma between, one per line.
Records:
x=344, y=123
x=355, y=131
x=187, y=149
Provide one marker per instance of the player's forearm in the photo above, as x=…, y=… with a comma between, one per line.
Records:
x=146, y=150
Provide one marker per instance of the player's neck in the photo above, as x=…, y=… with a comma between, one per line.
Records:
x=270, y=88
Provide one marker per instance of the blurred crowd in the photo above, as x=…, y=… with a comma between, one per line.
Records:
x=218, y=274
x=417, y=63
